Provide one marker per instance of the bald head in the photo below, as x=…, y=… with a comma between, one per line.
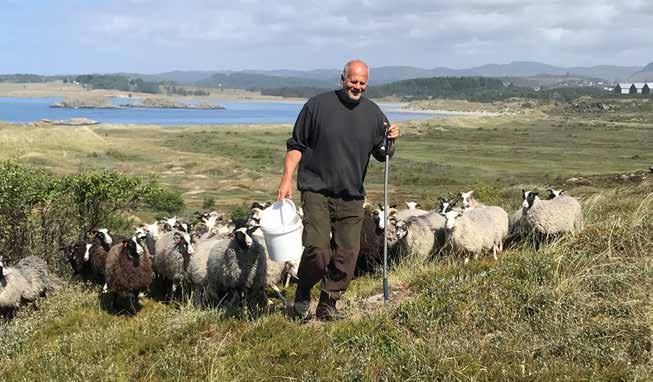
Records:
x=356, y=66
x=354, y=79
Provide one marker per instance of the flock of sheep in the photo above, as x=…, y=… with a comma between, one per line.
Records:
x=225, y=261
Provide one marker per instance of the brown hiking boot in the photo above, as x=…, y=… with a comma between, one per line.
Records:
x=326, y=309
x=302, y=306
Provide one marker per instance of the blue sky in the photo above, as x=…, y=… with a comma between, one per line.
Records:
x=74, y=36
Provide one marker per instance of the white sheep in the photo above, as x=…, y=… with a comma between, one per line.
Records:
x=24, y=282
x=411, y=210
x=560, y=215
x=469, y=200
x=477, y=230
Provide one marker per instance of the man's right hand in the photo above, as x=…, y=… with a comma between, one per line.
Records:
x=285, y=190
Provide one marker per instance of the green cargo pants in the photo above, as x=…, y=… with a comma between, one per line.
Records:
x=331, y=238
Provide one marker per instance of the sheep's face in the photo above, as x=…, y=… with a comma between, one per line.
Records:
x=412, y=205
x=451, y=217
x=529, y=198
x=2, y=268
x=243, y=237
x=254, y=217
x=554, y=193
x=468, y=199
x=183, y=243
x=446, y=205
x=377, y=215
x=183, y=227
x=152, y=229
x=171, y=221
x=133, y=249
x=103, y=235
x=402, y=229
x=87, y=252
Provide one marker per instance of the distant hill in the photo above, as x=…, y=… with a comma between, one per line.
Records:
x=385, y=74
x=644, y=75
x=255, y=81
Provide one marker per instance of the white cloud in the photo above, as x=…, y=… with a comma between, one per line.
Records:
x=307, y=34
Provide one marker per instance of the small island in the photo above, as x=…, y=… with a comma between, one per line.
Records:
x=85, y=103
x=169, y=103
x=147, y=103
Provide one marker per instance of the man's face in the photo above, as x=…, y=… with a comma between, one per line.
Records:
x=355, y=83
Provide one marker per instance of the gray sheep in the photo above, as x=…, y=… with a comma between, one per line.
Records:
x=24, y=282
x=173, y=252
x=545, y=218
x=239, y=270
x=420, y=236
x=128, y=271
x=197, y=267
x=477, y=230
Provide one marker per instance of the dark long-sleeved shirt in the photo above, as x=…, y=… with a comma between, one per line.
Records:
x=336, y=137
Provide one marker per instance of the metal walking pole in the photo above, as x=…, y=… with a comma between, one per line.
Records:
x=385, y=215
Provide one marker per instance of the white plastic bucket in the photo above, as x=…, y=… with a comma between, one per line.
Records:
x=282, y=228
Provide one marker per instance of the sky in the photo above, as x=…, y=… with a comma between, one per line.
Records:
x=95, y=36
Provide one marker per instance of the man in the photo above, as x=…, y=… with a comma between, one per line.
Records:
x=333, y=138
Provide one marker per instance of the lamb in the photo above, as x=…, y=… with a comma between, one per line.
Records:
x=476, y=230
x=173, y=252
x=411, y=210
x=420, y=236
x=128, y=271
x=24, y=282
x=545, y=218
x=469, y=200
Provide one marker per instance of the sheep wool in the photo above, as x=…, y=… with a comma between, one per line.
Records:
x=128, y=271
x=422, y=235
x=562, y=214
x=25, y=281
x=477, y=229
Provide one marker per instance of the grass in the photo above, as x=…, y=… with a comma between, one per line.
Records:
x=579, y=309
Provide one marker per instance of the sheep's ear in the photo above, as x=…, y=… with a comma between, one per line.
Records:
x=252, y=229
x=442, y=200
x=231, y=235
x=562, y=192
x=380, y=206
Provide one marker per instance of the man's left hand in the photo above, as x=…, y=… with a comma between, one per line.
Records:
x=393, y=132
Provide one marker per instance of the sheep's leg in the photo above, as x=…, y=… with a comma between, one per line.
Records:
x=105, y=288
x=285, y=285
x=281, y=297
x=494, y=252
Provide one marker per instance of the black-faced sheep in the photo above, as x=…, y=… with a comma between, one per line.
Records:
x=128, y=271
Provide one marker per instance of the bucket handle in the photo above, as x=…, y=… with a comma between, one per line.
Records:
x=283, y=223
